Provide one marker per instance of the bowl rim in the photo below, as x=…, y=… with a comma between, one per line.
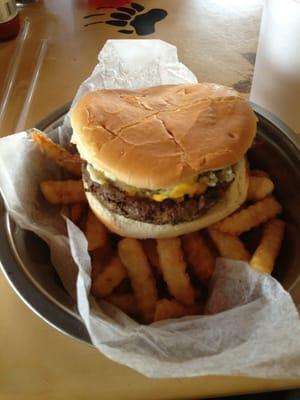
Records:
x=30, y=291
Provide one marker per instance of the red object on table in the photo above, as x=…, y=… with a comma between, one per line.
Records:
x=108, y=3
x=9, y=20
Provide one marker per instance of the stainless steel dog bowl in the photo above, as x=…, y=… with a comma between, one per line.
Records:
x=25, y=258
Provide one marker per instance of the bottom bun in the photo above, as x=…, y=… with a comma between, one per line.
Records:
x=232, y=199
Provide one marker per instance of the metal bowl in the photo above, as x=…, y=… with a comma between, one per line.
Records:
x=25, y=258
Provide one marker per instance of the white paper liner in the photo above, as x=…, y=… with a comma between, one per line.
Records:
x=252, y=327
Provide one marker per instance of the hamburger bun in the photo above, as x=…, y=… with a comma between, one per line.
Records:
x=157, y=137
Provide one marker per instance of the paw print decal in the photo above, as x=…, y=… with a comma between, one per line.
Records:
x=132, y=19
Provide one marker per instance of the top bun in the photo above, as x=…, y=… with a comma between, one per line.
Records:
x=157, y=137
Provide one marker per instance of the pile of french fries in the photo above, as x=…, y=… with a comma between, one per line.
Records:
x=152, y=280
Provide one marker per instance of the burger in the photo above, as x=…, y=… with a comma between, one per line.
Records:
x=163, y=161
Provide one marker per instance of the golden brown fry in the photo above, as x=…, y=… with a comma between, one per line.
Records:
x=141, y=276
x=259, y=188
x=173, y=269
x=199, y=255
x=149, y=246
x=63, y=192
x=263, y=259
x=229, y=246
x=82, y=221
x=125, y=302
x=96, y=233
x=100, y=258
x=110, y=277
x=259, y=172
x=76, y=212
x=166, y=309
x=70, y=162
x=247, y=218
x=97, y=265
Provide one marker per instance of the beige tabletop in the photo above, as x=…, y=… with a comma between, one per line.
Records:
x=217, y=41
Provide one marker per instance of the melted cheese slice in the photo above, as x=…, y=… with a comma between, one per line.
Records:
x=181, y=190
x=175, y=192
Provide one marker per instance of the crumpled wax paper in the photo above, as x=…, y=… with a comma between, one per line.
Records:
x=251, y=327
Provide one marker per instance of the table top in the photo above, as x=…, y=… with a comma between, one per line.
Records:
x=217, y=41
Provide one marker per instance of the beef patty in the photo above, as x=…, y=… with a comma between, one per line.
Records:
x=169, y=211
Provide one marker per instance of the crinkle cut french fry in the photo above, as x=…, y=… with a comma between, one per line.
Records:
x=259, y=172
x=229, y=246
x=70, y=162
x=259, y=188
x=166, y=309
x=82, y=221
x=264, y=257
x=109, y=278
x=96, y=233
x=149, y=246
x=141, y=276
x=97, y=265
x=63, y=192
x=173, y=269
x=76, y=211
x=100, y=258
x=125, y=302
x=247, y=218
x=199, y=255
